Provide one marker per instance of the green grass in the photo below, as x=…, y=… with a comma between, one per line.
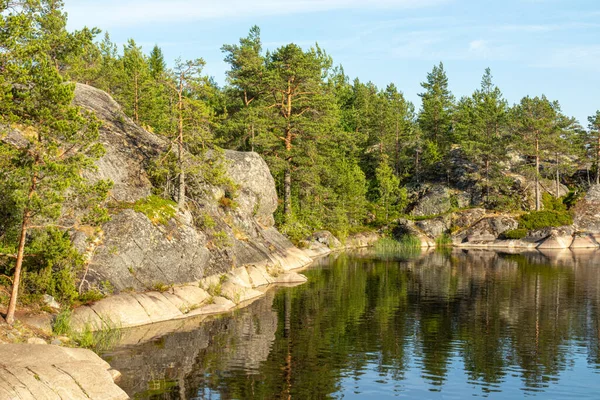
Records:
x=408, y=246
x=62, y=323
x=443, y=240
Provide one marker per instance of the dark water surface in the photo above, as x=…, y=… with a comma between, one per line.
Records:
x=448, y=325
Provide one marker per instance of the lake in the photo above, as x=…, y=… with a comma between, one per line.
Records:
x=444, y=324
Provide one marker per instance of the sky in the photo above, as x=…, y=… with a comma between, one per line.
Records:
x=533, y=47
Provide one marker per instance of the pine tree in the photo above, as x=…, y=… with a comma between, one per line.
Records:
x=538, y=122
x=435, y=117
x=137, y=74
x=481, y=126
x=60, y=139
x=246, y=86
x=594, y=126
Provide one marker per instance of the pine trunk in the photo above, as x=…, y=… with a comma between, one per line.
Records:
x=12, y=304
x=598, y=160
x=537, y=174
x=181, y=194
x=557, y=178
x=136, y=100
x=287, y=179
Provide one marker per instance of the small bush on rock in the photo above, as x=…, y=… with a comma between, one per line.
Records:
x=157, y=209
x=515, y=234
x=543, y=219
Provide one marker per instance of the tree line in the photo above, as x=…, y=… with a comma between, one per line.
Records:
x=344, y=153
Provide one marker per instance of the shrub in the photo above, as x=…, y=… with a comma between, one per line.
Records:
x=543, y=219
x=552, y=203
x=515, y=234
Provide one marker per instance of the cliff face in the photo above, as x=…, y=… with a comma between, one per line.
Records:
x=132, y=252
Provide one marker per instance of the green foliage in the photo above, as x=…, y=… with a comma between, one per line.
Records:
x=551, y=203
x=543, y=219
x=52, y=269
x=157, y=209
x=515, y=234
x=443, y=240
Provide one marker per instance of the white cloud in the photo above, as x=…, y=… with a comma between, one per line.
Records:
x=478, y=46
x=577, y=57
x=138, y=12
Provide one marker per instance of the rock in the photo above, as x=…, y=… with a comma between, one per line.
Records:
x=256, y=196
x=587, y=211
x=238, y=294
x=56, y=342
x=585, y=241
x=29, y=371
x=435, y=201
x=465, y=218
x=290, y=277
x=364, y=239
x=435, y=227
x=240, y=277
x=135, y=253
x=43, y=321
x=556, y=240
x=36, y=340
x=259, y=276
x=405, y=227
x=490, y=228
x=51, y=302
x=321, y=243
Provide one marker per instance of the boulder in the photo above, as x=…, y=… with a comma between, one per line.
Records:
x=557, y=240
x=490, y=228
x=435, y=227
x=405, y=227
x=587, y=211
x=436, y=200
x=363, y=239
x=585, y=241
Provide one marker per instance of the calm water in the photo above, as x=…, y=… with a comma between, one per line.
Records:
x=440, y=325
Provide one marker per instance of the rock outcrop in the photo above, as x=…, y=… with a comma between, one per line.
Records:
x=134, y=253
x=587, y=212
x=38, y=371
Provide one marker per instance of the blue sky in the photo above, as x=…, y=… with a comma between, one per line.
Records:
x=533, y=47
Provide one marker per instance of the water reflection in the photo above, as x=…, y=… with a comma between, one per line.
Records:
x=446, y=325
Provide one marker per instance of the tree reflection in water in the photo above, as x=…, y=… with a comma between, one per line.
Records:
x=443, y=323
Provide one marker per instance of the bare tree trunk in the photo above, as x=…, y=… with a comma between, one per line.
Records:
x=136, y=100
x=287, y=179
x=557, y=178
x=487, y=180
x=397, y=161
x=417, y=166
x=598, y=160
x=12, y=304
x=181, y=195
x=537, y=174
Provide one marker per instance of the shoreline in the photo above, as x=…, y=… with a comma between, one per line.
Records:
x=212, y=295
